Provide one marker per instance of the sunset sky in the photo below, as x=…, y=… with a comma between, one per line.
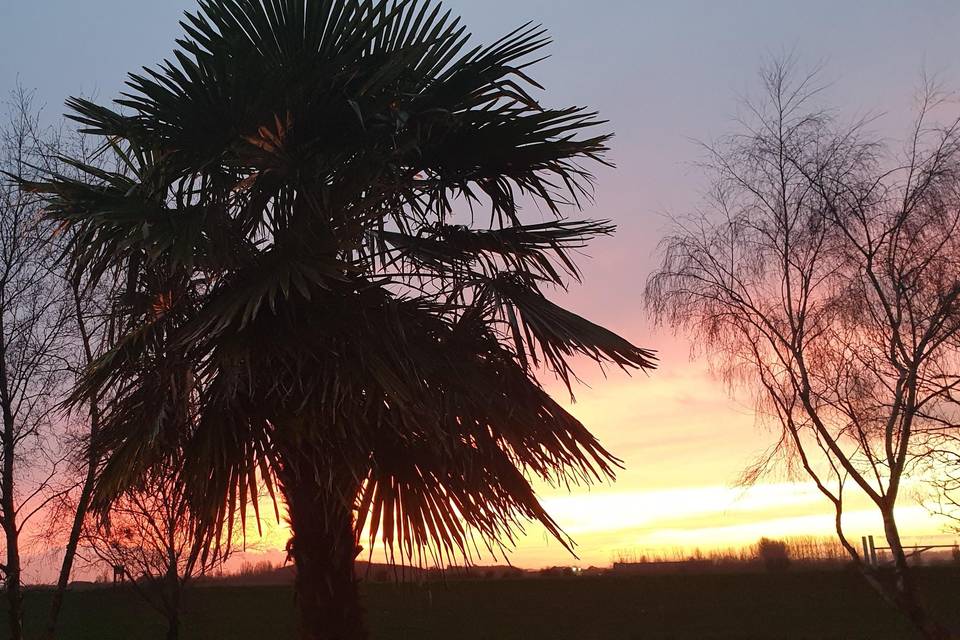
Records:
x=665, y=74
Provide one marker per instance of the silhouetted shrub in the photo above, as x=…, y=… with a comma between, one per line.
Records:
x=774, y=554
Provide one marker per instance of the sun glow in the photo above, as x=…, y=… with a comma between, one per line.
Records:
x=684, y=443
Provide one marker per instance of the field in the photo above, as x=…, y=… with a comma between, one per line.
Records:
x=792, y=605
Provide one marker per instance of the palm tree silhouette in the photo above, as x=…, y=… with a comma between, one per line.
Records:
x=325, y=286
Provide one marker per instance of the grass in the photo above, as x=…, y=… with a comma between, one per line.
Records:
x=792, y=605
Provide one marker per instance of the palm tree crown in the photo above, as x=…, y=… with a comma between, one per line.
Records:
x=323, y=274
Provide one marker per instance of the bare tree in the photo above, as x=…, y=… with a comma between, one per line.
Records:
x=151, y=535
x=33, y=316
x=823, y=278
x=89, y=326
x=67, y=327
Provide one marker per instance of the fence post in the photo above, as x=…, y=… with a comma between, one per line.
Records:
x=873, y=553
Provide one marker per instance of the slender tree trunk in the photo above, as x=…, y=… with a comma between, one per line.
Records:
x=173, y=589
x=323, y=549
x=12, y=562
x=8, y=503
x=86, y=489
x=173, y=625
x=70, y=553
x=902, y=588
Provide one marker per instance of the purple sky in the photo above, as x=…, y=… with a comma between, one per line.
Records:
x=665, y=74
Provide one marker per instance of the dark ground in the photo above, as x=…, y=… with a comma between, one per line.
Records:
x=793, y=605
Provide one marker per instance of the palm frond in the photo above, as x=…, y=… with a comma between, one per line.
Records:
x=290, y=285
x=527, y=248
x=559, y=334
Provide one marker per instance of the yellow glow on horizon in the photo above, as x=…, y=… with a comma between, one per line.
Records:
x=680, y=520
x=684, y=443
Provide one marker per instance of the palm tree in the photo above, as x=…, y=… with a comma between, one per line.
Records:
x=325, y=286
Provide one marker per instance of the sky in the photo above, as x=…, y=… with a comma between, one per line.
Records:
x=666, y=75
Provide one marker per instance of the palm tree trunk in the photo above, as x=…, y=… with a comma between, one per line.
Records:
x=323, y=548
